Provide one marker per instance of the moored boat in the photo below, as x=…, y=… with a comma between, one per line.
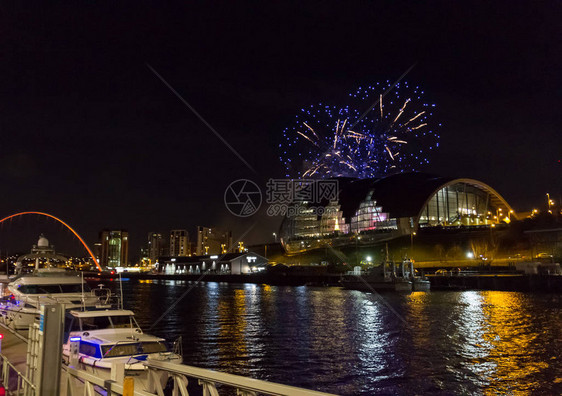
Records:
x=23, y=296
x=419, y=283
x=98, y=339
x=388, y=276
x=383, y=277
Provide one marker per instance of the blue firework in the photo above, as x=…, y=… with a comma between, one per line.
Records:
x=394, y=135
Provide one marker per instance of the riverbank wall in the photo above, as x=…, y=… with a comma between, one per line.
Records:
x=501, y=281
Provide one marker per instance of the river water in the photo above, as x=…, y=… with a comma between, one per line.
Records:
x=355, y=343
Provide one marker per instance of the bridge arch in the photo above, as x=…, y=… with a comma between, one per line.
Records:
x=63, y=223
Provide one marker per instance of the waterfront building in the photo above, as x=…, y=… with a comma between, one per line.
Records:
x=226, y=264
x=114, y=248
x=144, y=260
x=179, y=243
x=373, y=210
x=212, y=241
x=156, y=246
x=97, y=251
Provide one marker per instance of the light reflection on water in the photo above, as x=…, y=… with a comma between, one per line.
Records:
x=347, y=342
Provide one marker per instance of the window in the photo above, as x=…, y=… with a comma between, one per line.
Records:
x=120, y=350
x=42, y=289
x=73, y=324
x=106, y=322
x=95, y=323
x=133, y=349
x=90, y=349
x=121, y=321
x=74, y=288
x=153, y=347
x=53, y=289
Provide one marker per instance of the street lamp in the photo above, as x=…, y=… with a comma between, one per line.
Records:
x=275, y=236
x=549, y=202
x=412, y=243
x=498, y=215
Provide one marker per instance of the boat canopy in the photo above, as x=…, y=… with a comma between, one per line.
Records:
x=104, y=312
x=34, y=280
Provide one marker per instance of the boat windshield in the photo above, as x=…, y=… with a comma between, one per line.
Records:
x=53, y=289
x=108, y=322
x=133, y=349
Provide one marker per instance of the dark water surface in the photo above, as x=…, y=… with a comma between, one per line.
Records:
x=354, y=343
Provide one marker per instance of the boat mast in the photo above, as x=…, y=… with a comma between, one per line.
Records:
x=121, y=289
x=83, y=296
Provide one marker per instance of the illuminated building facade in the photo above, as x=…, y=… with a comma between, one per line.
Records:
x=156, y=246
x=224, y=264
x=374, y=210
x=114, y=248
x=212, y=241
x=179, y=243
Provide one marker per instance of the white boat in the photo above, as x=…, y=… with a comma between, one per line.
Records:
x=388, y=276
x=381, y=278
x=98, y=339
x=23, y=296
x=419, y=283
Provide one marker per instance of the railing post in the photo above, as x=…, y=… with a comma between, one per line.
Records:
x=180, y=385
x=209, y=388
x=5, y=374
x=118, y=372
x=108, y=384
x=241, y=392
x=153, y=384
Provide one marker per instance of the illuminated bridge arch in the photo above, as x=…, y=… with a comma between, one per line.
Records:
x=63, y=223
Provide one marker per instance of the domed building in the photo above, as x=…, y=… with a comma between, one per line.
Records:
x=42, y=255
x=369, y=211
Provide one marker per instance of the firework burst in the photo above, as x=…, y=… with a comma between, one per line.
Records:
x=393, y=136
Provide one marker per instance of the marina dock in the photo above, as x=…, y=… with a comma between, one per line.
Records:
x=23, y=374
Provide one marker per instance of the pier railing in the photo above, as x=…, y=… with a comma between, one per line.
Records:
x=209, y=380
x=79, y=382
x=13, y=381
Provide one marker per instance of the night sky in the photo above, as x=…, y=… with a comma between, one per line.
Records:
x=89, y=134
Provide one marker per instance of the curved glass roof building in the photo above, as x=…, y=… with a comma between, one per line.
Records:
x=375, y=210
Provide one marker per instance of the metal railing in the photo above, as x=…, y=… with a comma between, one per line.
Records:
x=14, y=382
x=32, y=355
x=209, y=379
x=79, y=382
